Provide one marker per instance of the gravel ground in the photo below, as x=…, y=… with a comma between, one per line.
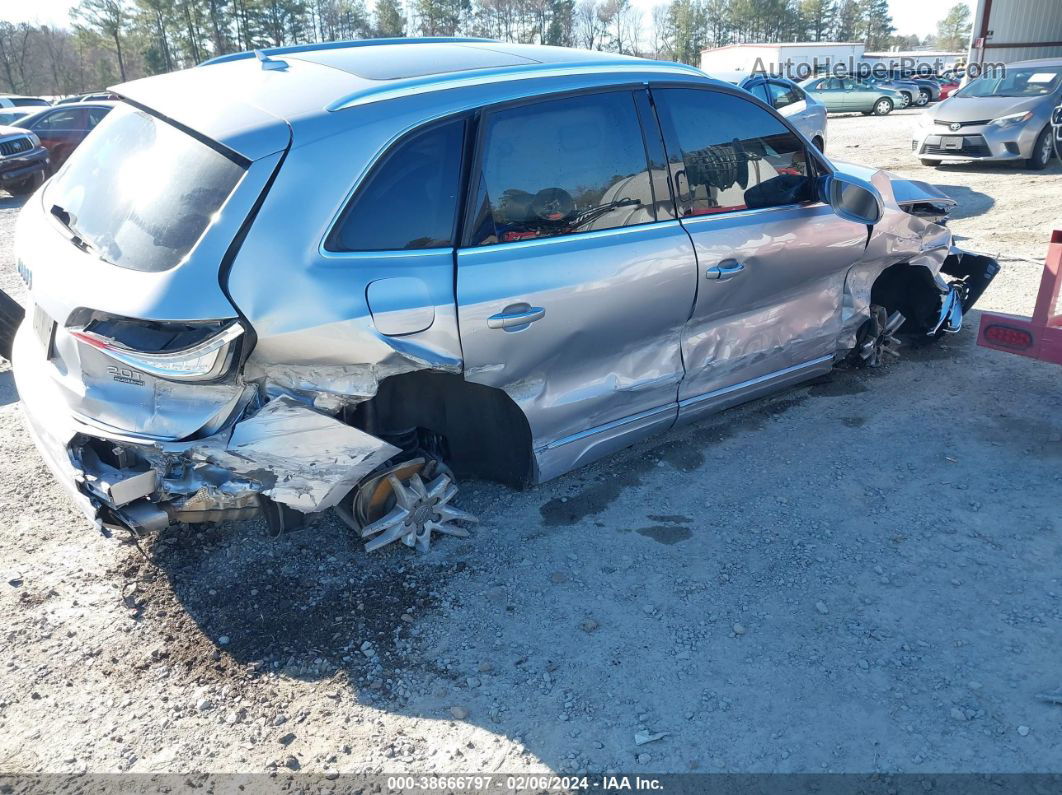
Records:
x=861, y=574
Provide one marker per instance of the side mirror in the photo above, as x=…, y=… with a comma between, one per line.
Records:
x=853, y=199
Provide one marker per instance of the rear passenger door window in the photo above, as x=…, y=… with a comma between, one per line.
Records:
x=410, y=199
x=561, y=167
x=61, y=121
x=727, y=154
x=783, y=95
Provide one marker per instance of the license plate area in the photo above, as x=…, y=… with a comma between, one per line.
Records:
x=952, y=142
x=44, y=328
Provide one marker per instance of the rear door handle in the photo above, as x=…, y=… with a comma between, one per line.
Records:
x=517, y=315
x=727, y=269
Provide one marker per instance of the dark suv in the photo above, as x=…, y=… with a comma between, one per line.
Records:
x=23, y=161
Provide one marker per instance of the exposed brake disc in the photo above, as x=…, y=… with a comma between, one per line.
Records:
x=406, y=502
x=879, y=337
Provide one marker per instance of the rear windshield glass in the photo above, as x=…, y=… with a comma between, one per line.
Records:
x=139, y=191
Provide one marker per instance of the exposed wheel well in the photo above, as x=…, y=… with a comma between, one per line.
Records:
x=910, y=290
x=483, y=432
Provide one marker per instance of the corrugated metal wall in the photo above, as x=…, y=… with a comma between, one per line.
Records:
x=1034, y=25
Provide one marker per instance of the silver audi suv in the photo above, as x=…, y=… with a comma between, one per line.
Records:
x=344, y=276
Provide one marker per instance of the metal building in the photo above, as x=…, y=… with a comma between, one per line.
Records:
x=1016, y=30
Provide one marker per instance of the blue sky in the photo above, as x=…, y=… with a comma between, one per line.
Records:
x=909, y=16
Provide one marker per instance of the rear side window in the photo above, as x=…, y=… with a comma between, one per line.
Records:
x=562, y=167
x=62, y=120
x=95, y=116
x=783, y=95
x=728, y=154
x=140, y=191
x=410, y=200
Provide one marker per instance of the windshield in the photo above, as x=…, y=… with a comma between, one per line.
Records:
x=140, y=192
x=1029, y=81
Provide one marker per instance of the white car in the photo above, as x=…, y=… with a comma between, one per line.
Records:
x=804, y=112
x=16, y=101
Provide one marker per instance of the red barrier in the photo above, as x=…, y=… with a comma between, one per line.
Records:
x=1040, y=336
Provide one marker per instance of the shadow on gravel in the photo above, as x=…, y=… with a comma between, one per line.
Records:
x=971, y=202
x=309, y=605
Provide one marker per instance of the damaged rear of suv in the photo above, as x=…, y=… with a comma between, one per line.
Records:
x=390, y=265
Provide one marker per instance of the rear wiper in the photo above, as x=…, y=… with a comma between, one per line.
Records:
x=68, y=221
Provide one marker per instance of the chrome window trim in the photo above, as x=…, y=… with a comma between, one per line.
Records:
x=696, y=220
x=390, y=253
x=596, y=234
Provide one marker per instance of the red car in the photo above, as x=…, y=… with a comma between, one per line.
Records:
x=62, y=128
x=947, y=88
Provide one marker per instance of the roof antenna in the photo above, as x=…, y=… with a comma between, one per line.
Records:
x=267, y=62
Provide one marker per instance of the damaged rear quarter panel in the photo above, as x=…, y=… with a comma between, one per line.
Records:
x=310, y=308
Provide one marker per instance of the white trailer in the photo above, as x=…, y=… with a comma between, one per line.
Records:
x=795, y=60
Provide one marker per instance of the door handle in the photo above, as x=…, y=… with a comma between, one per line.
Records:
x=727, y=269
x=516, y=315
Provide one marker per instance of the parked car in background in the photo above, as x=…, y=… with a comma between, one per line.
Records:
x=848, y=95
x=928, y=86
x=99, y=96
x=804, y=112
x=62, y=128
x=9, y=116
x=23, y=161
x=386, y=267
x=910, y=91
x=948, y=86
x=1003, y=117
x=17, y=101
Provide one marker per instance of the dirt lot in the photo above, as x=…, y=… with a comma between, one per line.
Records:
x=862, y=574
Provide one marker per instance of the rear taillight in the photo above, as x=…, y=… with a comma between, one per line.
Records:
x=1008, y=337
x=206, y=360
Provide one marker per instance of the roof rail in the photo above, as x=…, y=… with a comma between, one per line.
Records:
x=396, y=88
x=341, y=45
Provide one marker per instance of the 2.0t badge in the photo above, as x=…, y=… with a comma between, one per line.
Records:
x=124, y=375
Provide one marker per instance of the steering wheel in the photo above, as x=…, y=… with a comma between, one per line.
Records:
x=553, y=204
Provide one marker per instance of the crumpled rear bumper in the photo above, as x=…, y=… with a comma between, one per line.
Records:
x=286, y=452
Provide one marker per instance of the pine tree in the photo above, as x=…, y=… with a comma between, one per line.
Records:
x=876, y=24
x=440, y=17
x=817, y=18
x=953, y=32
x=107, y=18
x=849, y=17
x=390, y=19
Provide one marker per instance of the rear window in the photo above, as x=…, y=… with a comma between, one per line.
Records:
x=140, y=191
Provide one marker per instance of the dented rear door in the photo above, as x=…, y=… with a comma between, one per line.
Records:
x=771, y=261
x=575, y=280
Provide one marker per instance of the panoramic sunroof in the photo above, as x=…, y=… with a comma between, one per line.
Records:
x=395, y=62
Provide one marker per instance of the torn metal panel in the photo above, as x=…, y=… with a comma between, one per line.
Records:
x=900, y=237
x=306, y=459
x=332, y=380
